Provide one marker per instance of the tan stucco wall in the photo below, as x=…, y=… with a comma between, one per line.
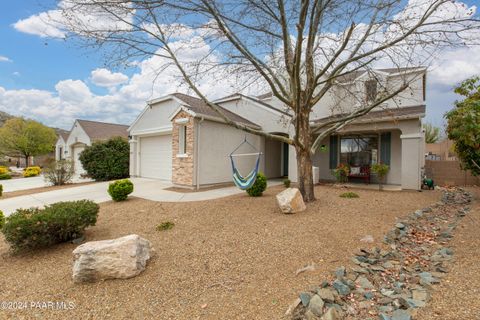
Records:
x=273, y=158
x=217, y=141
x=269, y=120
x=155, y=118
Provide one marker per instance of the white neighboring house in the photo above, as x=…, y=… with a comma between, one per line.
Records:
x=179, y=138
x=84, y=133
x=61, y=145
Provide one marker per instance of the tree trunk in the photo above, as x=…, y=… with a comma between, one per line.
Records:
x=26, y=161
x=304, y=159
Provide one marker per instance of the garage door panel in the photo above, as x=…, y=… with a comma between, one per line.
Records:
x=156, y=157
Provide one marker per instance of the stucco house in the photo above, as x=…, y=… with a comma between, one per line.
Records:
x=82, y=134
x=180, y=139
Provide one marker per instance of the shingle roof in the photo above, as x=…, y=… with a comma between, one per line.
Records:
x=102, y=130
x=387, y=114
x=62, y=133
x=201, y=108
x=265, y=95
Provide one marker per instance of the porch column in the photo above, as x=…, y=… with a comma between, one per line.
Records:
x=292, y=164
x=412, y=147
x=133, y=156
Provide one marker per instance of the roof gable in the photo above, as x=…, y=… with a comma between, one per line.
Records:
x=200, y=108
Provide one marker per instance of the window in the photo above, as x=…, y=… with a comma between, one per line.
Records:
x=182, y=139
x=60, y=153
x=371, y=90
x=359, y=151
x=424, y=87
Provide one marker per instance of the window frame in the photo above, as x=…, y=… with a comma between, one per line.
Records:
x=182, y=140
x=373, y=136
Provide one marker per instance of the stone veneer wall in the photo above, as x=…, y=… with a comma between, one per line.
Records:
x=182, y=168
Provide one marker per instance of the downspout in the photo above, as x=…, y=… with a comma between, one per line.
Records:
x=197, y=167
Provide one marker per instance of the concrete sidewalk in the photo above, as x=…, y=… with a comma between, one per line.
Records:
x=144, y=188
x=31, y=183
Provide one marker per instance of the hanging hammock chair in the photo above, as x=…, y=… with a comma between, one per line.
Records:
x=239, y=180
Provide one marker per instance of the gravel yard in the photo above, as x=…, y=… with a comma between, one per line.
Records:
x=457, y=295
x=230, y=258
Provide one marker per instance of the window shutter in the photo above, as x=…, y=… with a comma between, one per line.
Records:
x=385, y=147
x=333, y=151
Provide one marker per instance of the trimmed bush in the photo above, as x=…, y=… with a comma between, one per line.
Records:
x=3, y=170
x=2, y=220
x=349, y=195
x=119, y=190
x=165, y=226
x=59, y=172
x=31, y=171
x=59, y=222
x=5, y=176
x=1, y=190
x=258, y=187
x=287, y=183
x=107, y=160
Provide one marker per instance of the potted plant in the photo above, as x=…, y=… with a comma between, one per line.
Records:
x=341, y=172
x=381, y=171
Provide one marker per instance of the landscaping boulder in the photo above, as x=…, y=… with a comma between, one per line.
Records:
x=291, y=201
x=119, y=258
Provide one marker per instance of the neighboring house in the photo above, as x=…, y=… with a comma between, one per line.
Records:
x=84, y=133
x=180, y=139
x=61, y=145
x=443, y=150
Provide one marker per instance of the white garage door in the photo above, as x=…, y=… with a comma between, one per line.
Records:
x=156, y=157
x=77, y=164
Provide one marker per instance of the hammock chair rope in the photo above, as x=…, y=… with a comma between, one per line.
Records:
x=240, y=181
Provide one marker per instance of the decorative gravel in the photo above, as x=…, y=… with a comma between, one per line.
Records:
x=230, y=258
x=458, y=294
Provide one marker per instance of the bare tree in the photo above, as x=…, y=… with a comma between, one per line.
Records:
x=298, y=50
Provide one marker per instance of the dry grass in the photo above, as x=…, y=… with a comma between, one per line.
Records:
x=231, y=258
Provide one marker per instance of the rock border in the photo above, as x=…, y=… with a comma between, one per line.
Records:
x=392, y=282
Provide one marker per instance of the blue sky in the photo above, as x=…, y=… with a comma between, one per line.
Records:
x=56, y=81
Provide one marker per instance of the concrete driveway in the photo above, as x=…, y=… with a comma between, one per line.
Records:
x=149, y=189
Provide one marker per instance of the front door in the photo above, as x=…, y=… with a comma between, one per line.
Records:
x=285, y=147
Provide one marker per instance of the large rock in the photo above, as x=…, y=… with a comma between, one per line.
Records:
x=119, y=258
x=291, y=201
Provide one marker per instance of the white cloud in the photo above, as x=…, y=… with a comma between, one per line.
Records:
x=57, y=24
x=44, y=24
x=16, y=74
x=4, y=59
x=105, y=78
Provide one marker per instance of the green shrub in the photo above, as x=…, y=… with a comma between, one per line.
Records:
x=341, y=172
x=59, y=172
x=349, y=195
x=119, y=190
x=165, y=226
x=107, y=160
x=381, y=171
x=59, y=222
x=259, y=186
x=287, y=183
x=5, y=176
x=1, y=190
x=2, y=220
